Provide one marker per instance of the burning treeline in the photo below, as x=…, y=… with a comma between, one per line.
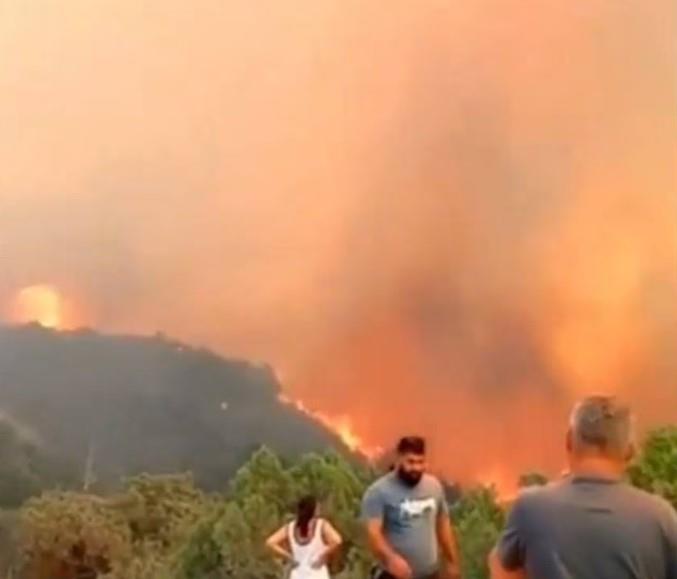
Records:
x=431, y=217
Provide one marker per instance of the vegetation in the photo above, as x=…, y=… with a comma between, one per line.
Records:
x=171, y=526
x=230, y=542
x=532, y=479
x=165, y=527
x=478, y=519
x=656, y=468
x=93, y=397
x=24, y=469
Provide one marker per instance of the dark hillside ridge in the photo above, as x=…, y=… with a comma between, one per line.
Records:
x=133, y=404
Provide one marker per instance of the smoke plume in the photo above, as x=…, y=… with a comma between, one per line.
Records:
x=431, y=216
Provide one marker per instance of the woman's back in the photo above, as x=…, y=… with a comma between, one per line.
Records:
x=307, y=550
x=308, y=542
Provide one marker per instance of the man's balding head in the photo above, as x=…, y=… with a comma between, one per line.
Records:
x=603, y=426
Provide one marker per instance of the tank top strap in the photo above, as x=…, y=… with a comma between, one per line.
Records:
x=318, y=530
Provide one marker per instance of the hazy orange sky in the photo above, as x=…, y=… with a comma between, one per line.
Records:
x=468, y=209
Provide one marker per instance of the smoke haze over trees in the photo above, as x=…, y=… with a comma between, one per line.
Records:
x=461, y=206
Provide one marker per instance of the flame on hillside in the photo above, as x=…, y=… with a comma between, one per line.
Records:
x=341, y=425
x=41, y=304
x=45, y=304
x=502, y=483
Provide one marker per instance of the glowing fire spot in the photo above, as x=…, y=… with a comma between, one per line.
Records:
x=342, y=426
x=42, y=304
x=502, y=484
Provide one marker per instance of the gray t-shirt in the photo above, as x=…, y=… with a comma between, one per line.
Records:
x=409, y=518
x=588, y=528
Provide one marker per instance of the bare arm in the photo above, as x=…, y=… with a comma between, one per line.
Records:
x=497, y=571
x=332, y=539
x=373, y=512
x=448, y=545
x=382, y=550
x=377, y=542
x=278, y=542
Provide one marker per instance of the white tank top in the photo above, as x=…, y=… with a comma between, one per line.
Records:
x=307, y=553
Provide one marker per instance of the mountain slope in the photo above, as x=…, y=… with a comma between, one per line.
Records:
x=135, y=404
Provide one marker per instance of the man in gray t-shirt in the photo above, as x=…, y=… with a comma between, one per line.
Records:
x=407, y=520
x=590, y=525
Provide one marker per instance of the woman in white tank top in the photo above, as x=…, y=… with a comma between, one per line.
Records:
x=307, y=542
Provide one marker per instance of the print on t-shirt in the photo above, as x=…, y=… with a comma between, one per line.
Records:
x=415, y=508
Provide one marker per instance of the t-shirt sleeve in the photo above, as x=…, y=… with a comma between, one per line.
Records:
x=373, y=505
x=511, y=544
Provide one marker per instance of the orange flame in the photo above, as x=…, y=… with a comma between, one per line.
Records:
x=42, y=304
x=341, y=425
x=503, y=484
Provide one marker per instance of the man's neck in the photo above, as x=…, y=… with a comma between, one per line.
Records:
x=596, y=467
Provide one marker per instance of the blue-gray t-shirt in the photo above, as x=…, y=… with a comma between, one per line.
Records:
x=590, y=528
x=409, y=516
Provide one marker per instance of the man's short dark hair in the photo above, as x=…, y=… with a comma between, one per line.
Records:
x=411, y=445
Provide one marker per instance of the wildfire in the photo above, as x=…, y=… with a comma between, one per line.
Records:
x=42, y=304
x=504, y=485
x=342, y=426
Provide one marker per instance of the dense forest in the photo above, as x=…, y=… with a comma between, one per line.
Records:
x=123, y=405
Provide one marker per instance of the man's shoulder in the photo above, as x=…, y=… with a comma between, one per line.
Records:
x=381, y=483
x=388, y=482
x=431, y=482
x=556, y=491
x=536, y=496
x=646, y=501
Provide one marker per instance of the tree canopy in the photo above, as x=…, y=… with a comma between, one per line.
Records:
x=655, y=469
x=165, y=527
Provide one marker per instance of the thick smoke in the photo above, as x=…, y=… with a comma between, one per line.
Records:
x=436, y=217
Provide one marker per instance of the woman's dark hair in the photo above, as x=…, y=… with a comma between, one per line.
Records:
x=305, y=511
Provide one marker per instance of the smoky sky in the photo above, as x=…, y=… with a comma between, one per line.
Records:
x=465, y=210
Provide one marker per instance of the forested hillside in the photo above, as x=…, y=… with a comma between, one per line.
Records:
x=122, y=405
